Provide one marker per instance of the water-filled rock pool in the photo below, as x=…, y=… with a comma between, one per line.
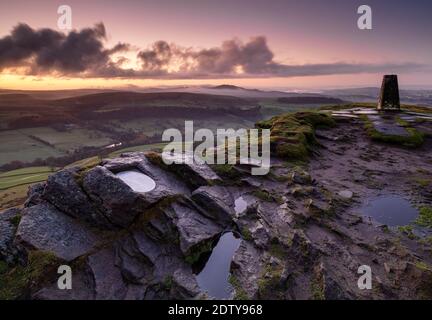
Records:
x=391, y=210
x=213, y=278
x=137, y=180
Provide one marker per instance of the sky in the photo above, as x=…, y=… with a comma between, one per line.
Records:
x=252, y=43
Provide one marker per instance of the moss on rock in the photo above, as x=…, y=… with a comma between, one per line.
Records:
x=293, y=134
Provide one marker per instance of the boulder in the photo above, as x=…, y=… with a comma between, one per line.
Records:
x=216, y=202
x=43, y=227
x=118, y=202
x=63, y=191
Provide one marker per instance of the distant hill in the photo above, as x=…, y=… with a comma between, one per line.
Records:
x=370, y=94
x=23, y=110
x=154, y=99
x=310, y=100
x=53, y=94
x=228, y=86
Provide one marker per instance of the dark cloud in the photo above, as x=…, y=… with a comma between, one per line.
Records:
x=84, y=53
x=48, y=51
x=253, y=57
x=237, y=59
x=158, y=58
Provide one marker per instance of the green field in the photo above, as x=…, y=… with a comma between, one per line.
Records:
x=23, y=171
x=141, y=148
x=17, y=146
x=14, y=184
x=151, y=126
x=24, y=176
x=69, y=140
x=27, y=145
x=85, y=163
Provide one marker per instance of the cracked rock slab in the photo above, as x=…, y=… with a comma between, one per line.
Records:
x=43, y=227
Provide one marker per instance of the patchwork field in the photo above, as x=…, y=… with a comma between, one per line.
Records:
x=29, y=144
x=68, y=140
x=17, y=146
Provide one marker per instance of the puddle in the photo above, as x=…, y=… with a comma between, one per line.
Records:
x=366, y=111
x=137, y=180
x=390, y=210
x=240, y=205
x=213, y=278
x=388, y=126
x=382, y=124
x=353, y=113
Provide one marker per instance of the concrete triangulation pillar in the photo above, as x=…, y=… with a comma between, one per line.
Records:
x=389, y=95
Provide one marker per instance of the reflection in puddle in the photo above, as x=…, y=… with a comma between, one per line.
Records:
x=137, y=180
x=240, y=205
x=214, y=277
x=390, y=210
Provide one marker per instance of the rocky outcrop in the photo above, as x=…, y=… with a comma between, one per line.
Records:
x=120, y=244
x=299, y=240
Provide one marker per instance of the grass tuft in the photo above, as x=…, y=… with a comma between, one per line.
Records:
x=15, y=281
x=425, y=217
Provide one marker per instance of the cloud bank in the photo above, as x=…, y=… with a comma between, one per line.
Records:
x=84, y=54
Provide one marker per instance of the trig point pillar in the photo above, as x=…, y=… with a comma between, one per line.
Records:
x=389, y=95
